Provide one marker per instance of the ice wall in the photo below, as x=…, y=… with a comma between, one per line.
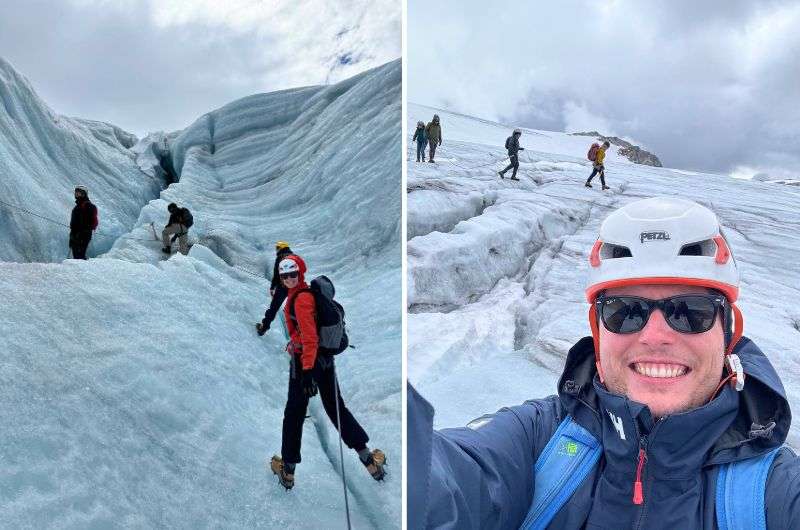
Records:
x=43, y=155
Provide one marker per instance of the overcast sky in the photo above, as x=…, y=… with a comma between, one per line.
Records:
x=705, y=85
x=149, y=65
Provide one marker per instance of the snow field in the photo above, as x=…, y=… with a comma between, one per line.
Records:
x=497, y=292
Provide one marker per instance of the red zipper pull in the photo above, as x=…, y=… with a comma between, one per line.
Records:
x=638, y=496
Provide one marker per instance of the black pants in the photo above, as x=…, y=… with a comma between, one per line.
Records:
x=514, y=164
x=295, y=413
x=275, y=305
x=79, y=242
x=602, y=171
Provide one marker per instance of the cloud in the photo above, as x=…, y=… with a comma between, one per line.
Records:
x=705, y=87
x=159, y=64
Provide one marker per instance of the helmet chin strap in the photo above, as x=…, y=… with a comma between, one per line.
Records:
x=732, y=362
x=596, y=337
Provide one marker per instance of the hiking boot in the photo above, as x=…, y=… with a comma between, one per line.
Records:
x=514, y=178
x=606, y=188
x=502, y=175
x=286, y=479
x=588, y=185
x=166, y=250
x=375, y=463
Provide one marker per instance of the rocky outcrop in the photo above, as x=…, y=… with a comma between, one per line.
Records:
x=634, y=153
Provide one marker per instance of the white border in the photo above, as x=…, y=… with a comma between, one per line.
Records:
x=404, y=267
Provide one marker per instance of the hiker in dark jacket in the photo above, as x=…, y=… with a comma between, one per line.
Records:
x=422, y=140
x=276, y=290
x=433, y=132
x=512, y=145
x=82, y=221
x=180, y=219
x=312, y=371
x=666, y=417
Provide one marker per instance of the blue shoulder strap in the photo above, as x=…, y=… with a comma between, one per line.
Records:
x=740, y=493
x=564, y=463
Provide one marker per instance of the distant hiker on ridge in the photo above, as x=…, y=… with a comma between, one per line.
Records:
x=434, y=133
x=597, y=154
x=512, y=145
x=180, y=220
x=277, y=291
x=313, y=318
x=421, y=139
x=81, y=223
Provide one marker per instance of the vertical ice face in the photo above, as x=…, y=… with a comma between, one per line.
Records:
x=136, y=392
x=42, y=157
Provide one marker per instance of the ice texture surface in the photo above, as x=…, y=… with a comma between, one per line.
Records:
x=497, y=268
x=135, y=392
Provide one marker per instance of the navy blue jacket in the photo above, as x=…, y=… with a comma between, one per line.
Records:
x=512, y=145
x=481, y=476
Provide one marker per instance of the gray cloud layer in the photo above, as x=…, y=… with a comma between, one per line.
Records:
x=705, y=85
x=157, y=65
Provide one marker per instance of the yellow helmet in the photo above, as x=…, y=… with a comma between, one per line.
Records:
x=280, y=245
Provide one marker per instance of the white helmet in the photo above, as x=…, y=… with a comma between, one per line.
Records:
x=517, y=131
x=82, y=188
x=662, y=240
x=287, y=265
x=666, y=240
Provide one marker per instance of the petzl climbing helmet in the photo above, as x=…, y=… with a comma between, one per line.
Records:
x=664, y=240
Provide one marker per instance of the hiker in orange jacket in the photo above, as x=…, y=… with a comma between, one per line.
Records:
x=308, y=373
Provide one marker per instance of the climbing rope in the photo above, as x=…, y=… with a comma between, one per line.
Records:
x=97, y=232
x=341, y=450
x=100, y=234
x=495, y=159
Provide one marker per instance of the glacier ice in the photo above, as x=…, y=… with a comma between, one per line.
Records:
x=496, y=291
x=43, y=156
x=135, y=391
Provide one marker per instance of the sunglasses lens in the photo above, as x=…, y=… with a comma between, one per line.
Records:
x=289, y=275
x=687, y=314
x=690, y=314
x=624, y=315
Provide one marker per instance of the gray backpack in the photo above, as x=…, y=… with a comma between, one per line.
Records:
x=331, y=328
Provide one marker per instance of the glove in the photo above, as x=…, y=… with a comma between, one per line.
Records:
x=309, y=385
x=262, y=328
x=272, y=292
x=521, y=148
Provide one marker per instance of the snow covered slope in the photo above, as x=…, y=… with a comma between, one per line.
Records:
x=140, y=395
x=42, y=157
x=496, y=268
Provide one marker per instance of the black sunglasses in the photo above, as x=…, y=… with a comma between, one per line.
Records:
x=686, y=313
x=286, y=275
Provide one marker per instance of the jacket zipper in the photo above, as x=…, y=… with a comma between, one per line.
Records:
x=638, y=495
x=638, y=485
